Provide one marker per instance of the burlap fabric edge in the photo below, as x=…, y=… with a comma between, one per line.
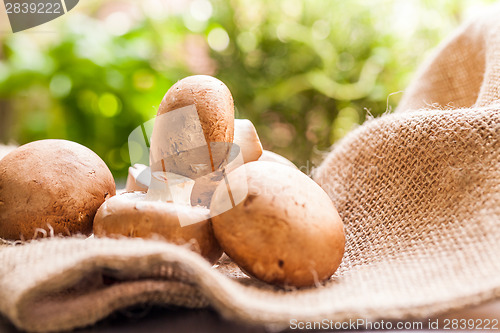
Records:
x=72, y=293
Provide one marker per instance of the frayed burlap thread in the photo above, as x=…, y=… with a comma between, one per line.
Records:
x=418, y=191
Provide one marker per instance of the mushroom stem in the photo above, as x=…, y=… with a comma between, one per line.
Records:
x=170, y=187
x=139, y=177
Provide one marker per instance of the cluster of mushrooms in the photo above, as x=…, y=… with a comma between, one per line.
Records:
x=226, y=195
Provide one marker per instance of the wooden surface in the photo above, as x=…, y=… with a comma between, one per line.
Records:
x=163, y=319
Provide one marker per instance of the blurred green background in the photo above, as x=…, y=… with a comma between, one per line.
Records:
x=305, y=72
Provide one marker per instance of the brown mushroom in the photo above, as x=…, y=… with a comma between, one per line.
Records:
x=213, y=102
x=132, y=215
x=51, y=185
x=192, y=133
x=194, y=120
x=246, y=137
x=286, y=231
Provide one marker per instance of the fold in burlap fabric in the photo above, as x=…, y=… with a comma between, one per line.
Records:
x=419, y=193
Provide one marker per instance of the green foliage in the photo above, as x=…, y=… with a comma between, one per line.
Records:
x=305, y=72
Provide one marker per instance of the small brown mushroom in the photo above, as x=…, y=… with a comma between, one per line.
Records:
x=192, y=134
x=132, y=215
x=51, y=184
x=286, y=231
x=213, y=102
x=246, y=137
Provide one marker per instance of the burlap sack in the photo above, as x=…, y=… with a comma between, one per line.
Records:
x=419, y=193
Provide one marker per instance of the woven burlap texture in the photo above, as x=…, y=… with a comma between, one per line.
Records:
x=418, y=191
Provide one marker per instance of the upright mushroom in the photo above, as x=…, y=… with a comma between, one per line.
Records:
x=196, y=113
x=192, y=136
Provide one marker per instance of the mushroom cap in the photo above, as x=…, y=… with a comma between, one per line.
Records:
x=285, y=232
x=51, y=182
x=194, y=123
x=131, y=215
x=245, y=135
x=213, y=102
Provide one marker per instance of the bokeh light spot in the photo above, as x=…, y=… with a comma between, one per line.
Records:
x=60, y=85
x=247, y=41
x=143, y=80
x=347, y=118
x=201, y=10
x=321, y=29
x=218, y=39
x=109, y=105
x=118, y=23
